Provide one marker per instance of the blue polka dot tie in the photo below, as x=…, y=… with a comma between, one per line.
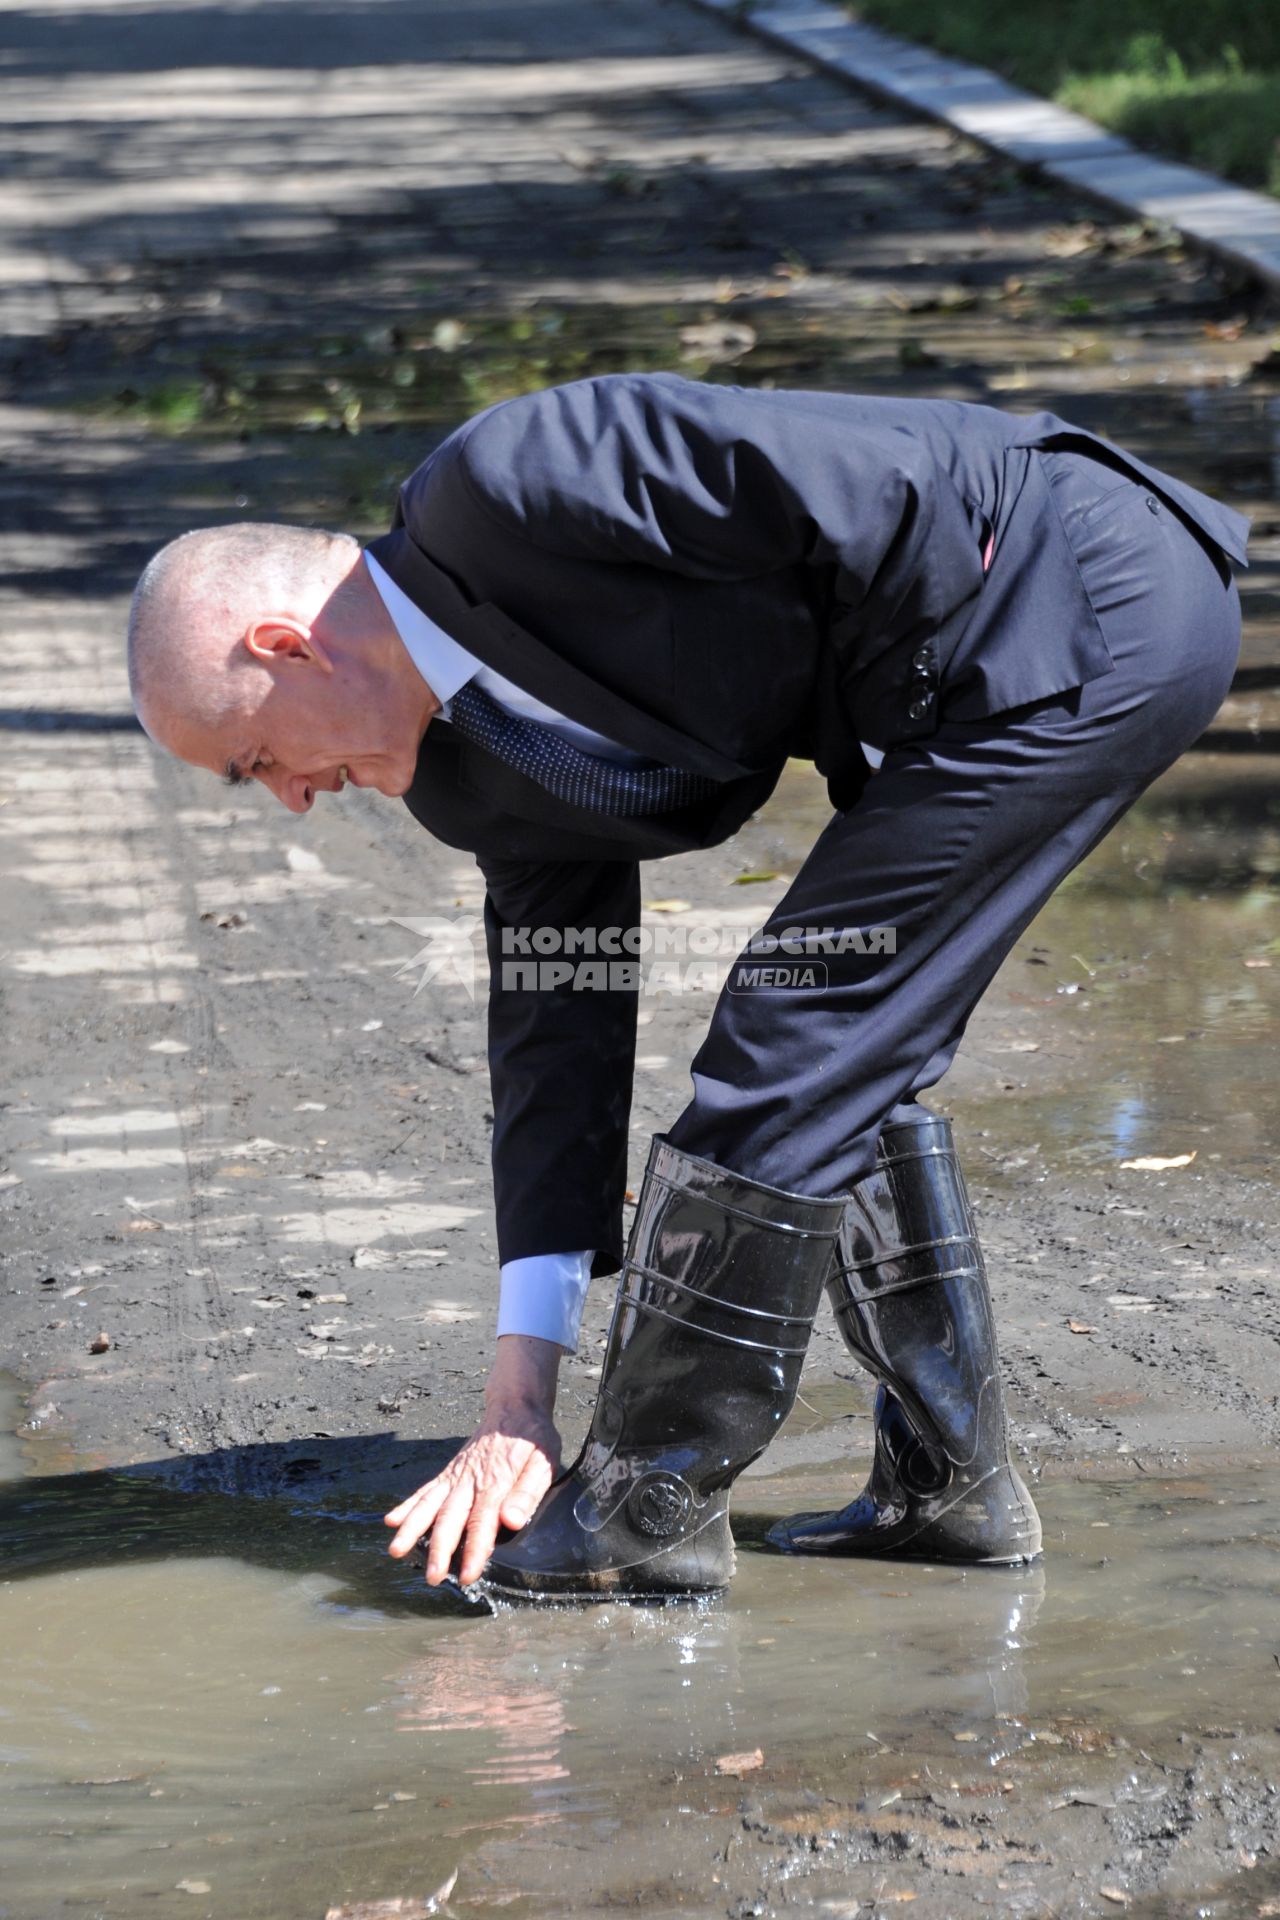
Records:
x=583, y=779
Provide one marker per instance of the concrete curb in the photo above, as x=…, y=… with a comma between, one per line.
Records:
x=1240, y=226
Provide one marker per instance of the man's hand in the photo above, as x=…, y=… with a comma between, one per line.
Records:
x=500, y=1475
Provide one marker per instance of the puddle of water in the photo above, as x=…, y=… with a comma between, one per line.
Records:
x=1149, y=980
x=234, y=1708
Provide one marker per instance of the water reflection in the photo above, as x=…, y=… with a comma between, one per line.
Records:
x=552, y=1689
x=472, y=1684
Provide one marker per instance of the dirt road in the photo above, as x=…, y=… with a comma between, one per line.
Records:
x=257, y=269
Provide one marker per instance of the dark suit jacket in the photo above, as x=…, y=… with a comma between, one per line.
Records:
x=719, y=579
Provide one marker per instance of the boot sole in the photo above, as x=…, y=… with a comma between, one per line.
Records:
x=908, y=1552
x=597, y=1596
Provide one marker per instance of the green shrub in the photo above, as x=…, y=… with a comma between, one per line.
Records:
x=1198, y=80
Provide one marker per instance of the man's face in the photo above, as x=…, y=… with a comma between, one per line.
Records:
x=313, y=733
x=313, y=709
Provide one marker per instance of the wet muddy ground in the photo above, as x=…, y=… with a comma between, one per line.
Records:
x=252, y=265
x=245, y=1710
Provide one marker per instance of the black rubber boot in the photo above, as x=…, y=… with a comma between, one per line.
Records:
x=910, y=1295
x=716, y=1302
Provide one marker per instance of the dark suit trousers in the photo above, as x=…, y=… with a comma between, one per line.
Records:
x=955, y=843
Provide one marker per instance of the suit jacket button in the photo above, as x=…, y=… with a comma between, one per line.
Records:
x=1153, y=505
x=918, y=709
x=922, y=660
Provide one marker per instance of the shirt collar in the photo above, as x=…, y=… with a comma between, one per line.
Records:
x=443, y=664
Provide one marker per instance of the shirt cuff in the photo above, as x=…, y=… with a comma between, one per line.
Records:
x=543, y=1295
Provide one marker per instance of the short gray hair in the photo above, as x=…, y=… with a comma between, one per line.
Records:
x=197, y=596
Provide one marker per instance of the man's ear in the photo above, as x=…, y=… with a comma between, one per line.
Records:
x=278, y=636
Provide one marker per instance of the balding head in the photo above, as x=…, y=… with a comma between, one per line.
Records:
x=268, y=650
x=197, y=599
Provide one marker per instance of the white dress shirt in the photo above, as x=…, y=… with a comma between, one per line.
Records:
x=445, y=666
x=544, y=1293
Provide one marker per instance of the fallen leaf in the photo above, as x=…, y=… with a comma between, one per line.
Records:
x=720, y=341
x=398, y=1909
x=1081, y=1326
x=1019, y=1046
x=668, y=906
x=100, y=1343
x=381, y=1910
x=193, y=1886
x=964, y=1736
x=1115, y=1896
x=1257, y=962
x=1153, y=1163
x=737, y=1764
x=1067, y=242
x=752, y=879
